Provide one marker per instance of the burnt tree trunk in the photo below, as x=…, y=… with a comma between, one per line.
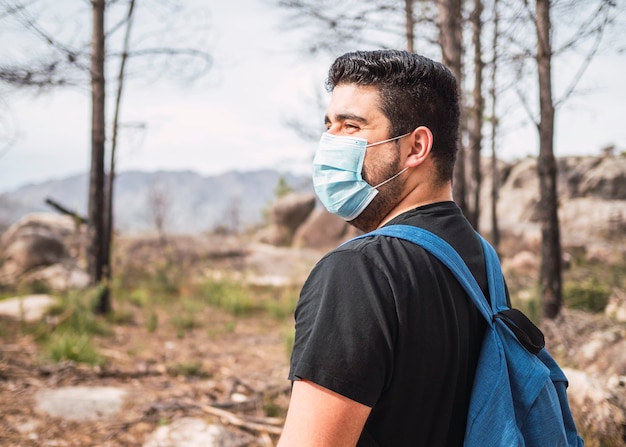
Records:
x=97, y=253
x=475, y=134
x=551, y=266
x=495, y=175
x=450, y=39
x=409, y=25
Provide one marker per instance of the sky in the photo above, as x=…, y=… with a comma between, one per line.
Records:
x=235, y=117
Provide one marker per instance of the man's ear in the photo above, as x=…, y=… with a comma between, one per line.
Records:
x=421, y=144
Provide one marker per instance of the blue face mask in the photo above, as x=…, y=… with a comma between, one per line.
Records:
x=337, y=179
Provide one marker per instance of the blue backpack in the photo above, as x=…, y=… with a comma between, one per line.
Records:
x=519, y=393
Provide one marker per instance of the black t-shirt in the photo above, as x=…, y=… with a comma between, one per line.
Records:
x=383, y=322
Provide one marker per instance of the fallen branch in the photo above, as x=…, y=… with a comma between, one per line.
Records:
x=268, y=426
x=63, y=210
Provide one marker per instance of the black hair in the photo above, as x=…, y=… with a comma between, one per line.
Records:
x=414, y=91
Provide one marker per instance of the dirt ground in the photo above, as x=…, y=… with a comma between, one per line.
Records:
x=229, y=370
x=234, y=365
x=226, y=369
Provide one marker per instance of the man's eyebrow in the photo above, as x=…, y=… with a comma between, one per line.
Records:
x=345, y=117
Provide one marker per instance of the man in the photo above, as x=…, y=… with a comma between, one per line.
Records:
x=386, y=339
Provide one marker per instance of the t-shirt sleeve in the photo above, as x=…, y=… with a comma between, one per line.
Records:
x=345, y=327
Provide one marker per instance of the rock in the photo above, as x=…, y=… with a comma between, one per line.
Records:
x=523, y=263
x=53, y=225
x=32, y=250
x=292, y=209
x=606, y=181
x=195, y=432
x=518, y=199
x=27, y=308
x=278, y=235
x=579, y=226
x=38, y=241
x=604, y=352
x=323, y=230
x=59, y=277
x=286, y=215
x=81, y=403
x=599, y=406
x=583, y=184
x=616, y=307
x=267, y=264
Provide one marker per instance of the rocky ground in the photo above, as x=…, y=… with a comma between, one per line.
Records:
x=229, y=372
x=224, y=381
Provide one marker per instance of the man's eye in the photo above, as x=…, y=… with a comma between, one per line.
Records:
x=352, y=126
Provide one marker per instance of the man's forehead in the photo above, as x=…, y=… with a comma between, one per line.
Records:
x=350, y=101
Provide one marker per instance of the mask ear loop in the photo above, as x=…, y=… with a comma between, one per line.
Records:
x=388, y=140
x=390, y=178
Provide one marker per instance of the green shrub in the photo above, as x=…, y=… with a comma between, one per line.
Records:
x=139, y=297
x=68, y=345
x=590, y=295
x=152, y=322
x=68, y=333
x=121, y=317
x=187, y=369
x=183, y=323
x=229, y=296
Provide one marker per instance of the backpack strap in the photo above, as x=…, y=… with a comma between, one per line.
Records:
x=525, y=330
x=449, y=257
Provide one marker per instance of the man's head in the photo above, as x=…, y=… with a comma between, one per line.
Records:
x=413, y=90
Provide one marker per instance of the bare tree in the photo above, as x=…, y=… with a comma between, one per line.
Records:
x=159, y=203
x=451, y=40
x=338, y=27
x=495, y=178
x=591, y=30
x=97, y=254
x=65, y=65
x=477, y=111
x=551, y=268
x=409, y=25
x=109, y=191
x=233, y=214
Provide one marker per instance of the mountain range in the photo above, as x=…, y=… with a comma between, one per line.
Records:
x=187, y=201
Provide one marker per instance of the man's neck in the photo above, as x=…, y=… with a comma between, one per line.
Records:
x=420, y=196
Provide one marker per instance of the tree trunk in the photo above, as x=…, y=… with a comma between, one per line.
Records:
x=97, y=253
x=410, y=25
x=495, y=175
x=450, y=39
x=475, y=134
x=112, y=171
x=550, y=274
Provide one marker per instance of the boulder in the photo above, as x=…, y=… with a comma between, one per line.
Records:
x=604, y=352
x=606, y=180
x=323, y=230
x=59, y=277
x=31, y=250
x=27, y=308
x=583, y=184
x=292, y=209
x=38, y=241
x=195, y=432
x=278, y=235
x=616, y=307
x=598, y=404
x=81, y=403
x=523, y=262
x=286, y=215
